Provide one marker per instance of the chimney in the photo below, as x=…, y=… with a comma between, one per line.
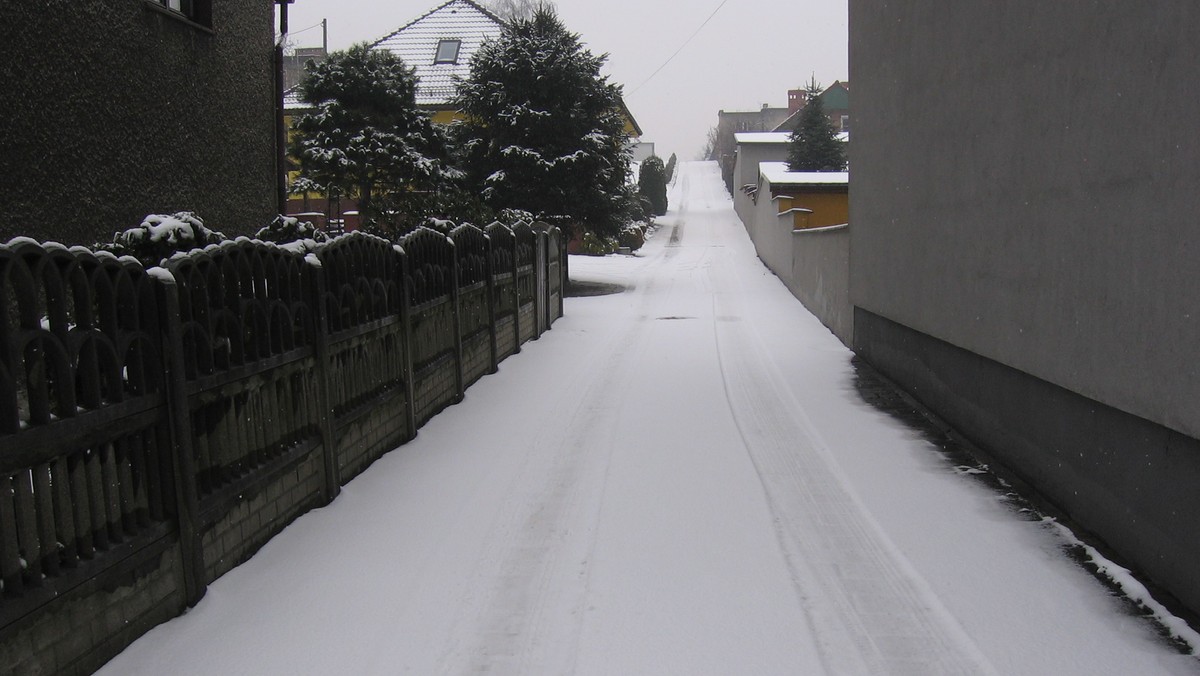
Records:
x=796, y=100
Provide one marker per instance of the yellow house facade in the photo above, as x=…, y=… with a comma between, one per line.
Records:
x=810, y=199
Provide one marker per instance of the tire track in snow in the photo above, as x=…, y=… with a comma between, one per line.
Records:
x=532, y=578
x=871, y=613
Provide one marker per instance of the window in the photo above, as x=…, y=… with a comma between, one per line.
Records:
x=447, y=51
x=197, y=11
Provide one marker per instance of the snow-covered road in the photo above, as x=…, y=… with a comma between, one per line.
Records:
x=678, y=479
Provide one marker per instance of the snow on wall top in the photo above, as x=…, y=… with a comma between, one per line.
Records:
x=763, y=137
x=777, y=172
x=416, y=44
x=776, y=136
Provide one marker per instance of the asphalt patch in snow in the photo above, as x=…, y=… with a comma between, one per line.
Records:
x=580, y=289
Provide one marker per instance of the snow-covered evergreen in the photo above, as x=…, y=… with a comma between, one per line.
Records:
x=286, y=229
x=159, y=236
x=365, y=137
x=545, y=130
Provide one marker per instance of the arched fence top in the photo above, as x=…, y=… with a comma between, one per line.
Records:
x=526, y=243
x=78, y=331
x=430, y=265
x=554, y=242
x=363, y=279
x=472, y=247
x=241, y=301
x=504, y=247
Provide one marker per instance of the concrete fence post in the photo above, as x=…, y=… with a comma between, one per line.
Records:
x=410, y=409
x=316, y=297
x=182, y=462
x=490, y=277
x=456, y=308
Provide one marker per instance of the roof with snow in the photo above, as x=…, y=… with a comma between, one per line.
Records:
x=291, y=99
x=439, y=45
x=777, y=173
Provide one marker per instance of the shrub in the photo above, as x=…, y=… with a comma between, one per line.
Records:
x=159, y=236
x=633, y=236
x=286, y=229
x=593, y=244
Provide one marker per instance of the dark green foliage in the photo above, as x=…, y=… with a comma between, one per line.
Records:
x=159, y=236
x=633, y=236
x=815, y=146
x=512, y=9
x=286, y=229
x=671, y=162
x=652, y=184
x=366, y=139
x=544, y=129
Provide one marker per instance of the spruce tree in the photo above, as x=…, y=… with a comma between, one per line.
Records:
x=814, y=142
x=671, y=162
x=544, y=129
x=365, y=137
x=512, y=9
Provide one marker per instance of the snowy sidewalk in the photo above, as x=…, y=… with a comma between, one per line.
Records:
x=678, y=479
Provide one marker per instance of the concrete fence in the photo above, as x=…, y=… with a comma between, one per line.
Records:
x=157, y=427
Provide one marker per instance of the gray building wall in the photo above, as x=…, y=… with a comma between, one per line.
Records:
x=1023, y=248
x=114, y=110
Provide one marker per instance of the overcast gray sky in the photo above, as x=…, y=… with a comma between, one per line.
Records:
x=750, y=53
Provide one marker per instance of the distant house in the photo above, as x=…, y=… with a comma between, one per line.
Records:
x=438, y=46
x=764, y=119
x=115, y=110
x=730, y=123
x=835, y=99
x=293, y=64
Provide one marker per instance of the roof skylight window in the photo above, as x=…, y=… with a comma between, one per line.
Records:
x=447, y=51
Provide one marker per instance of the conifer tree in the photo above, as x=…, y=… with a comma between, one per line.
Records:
x=671, y=162
x=814, y=142
x=652, y=184
x=365, y=137
x=513, y=9
x=544, y=129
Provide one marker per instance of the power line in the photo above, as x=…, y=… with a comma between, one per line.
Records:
x=685, y=44
x=315, y=25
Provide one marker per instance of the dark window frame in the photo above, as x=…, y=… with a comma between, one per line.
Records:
x=439, y=59
x=197, y=13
